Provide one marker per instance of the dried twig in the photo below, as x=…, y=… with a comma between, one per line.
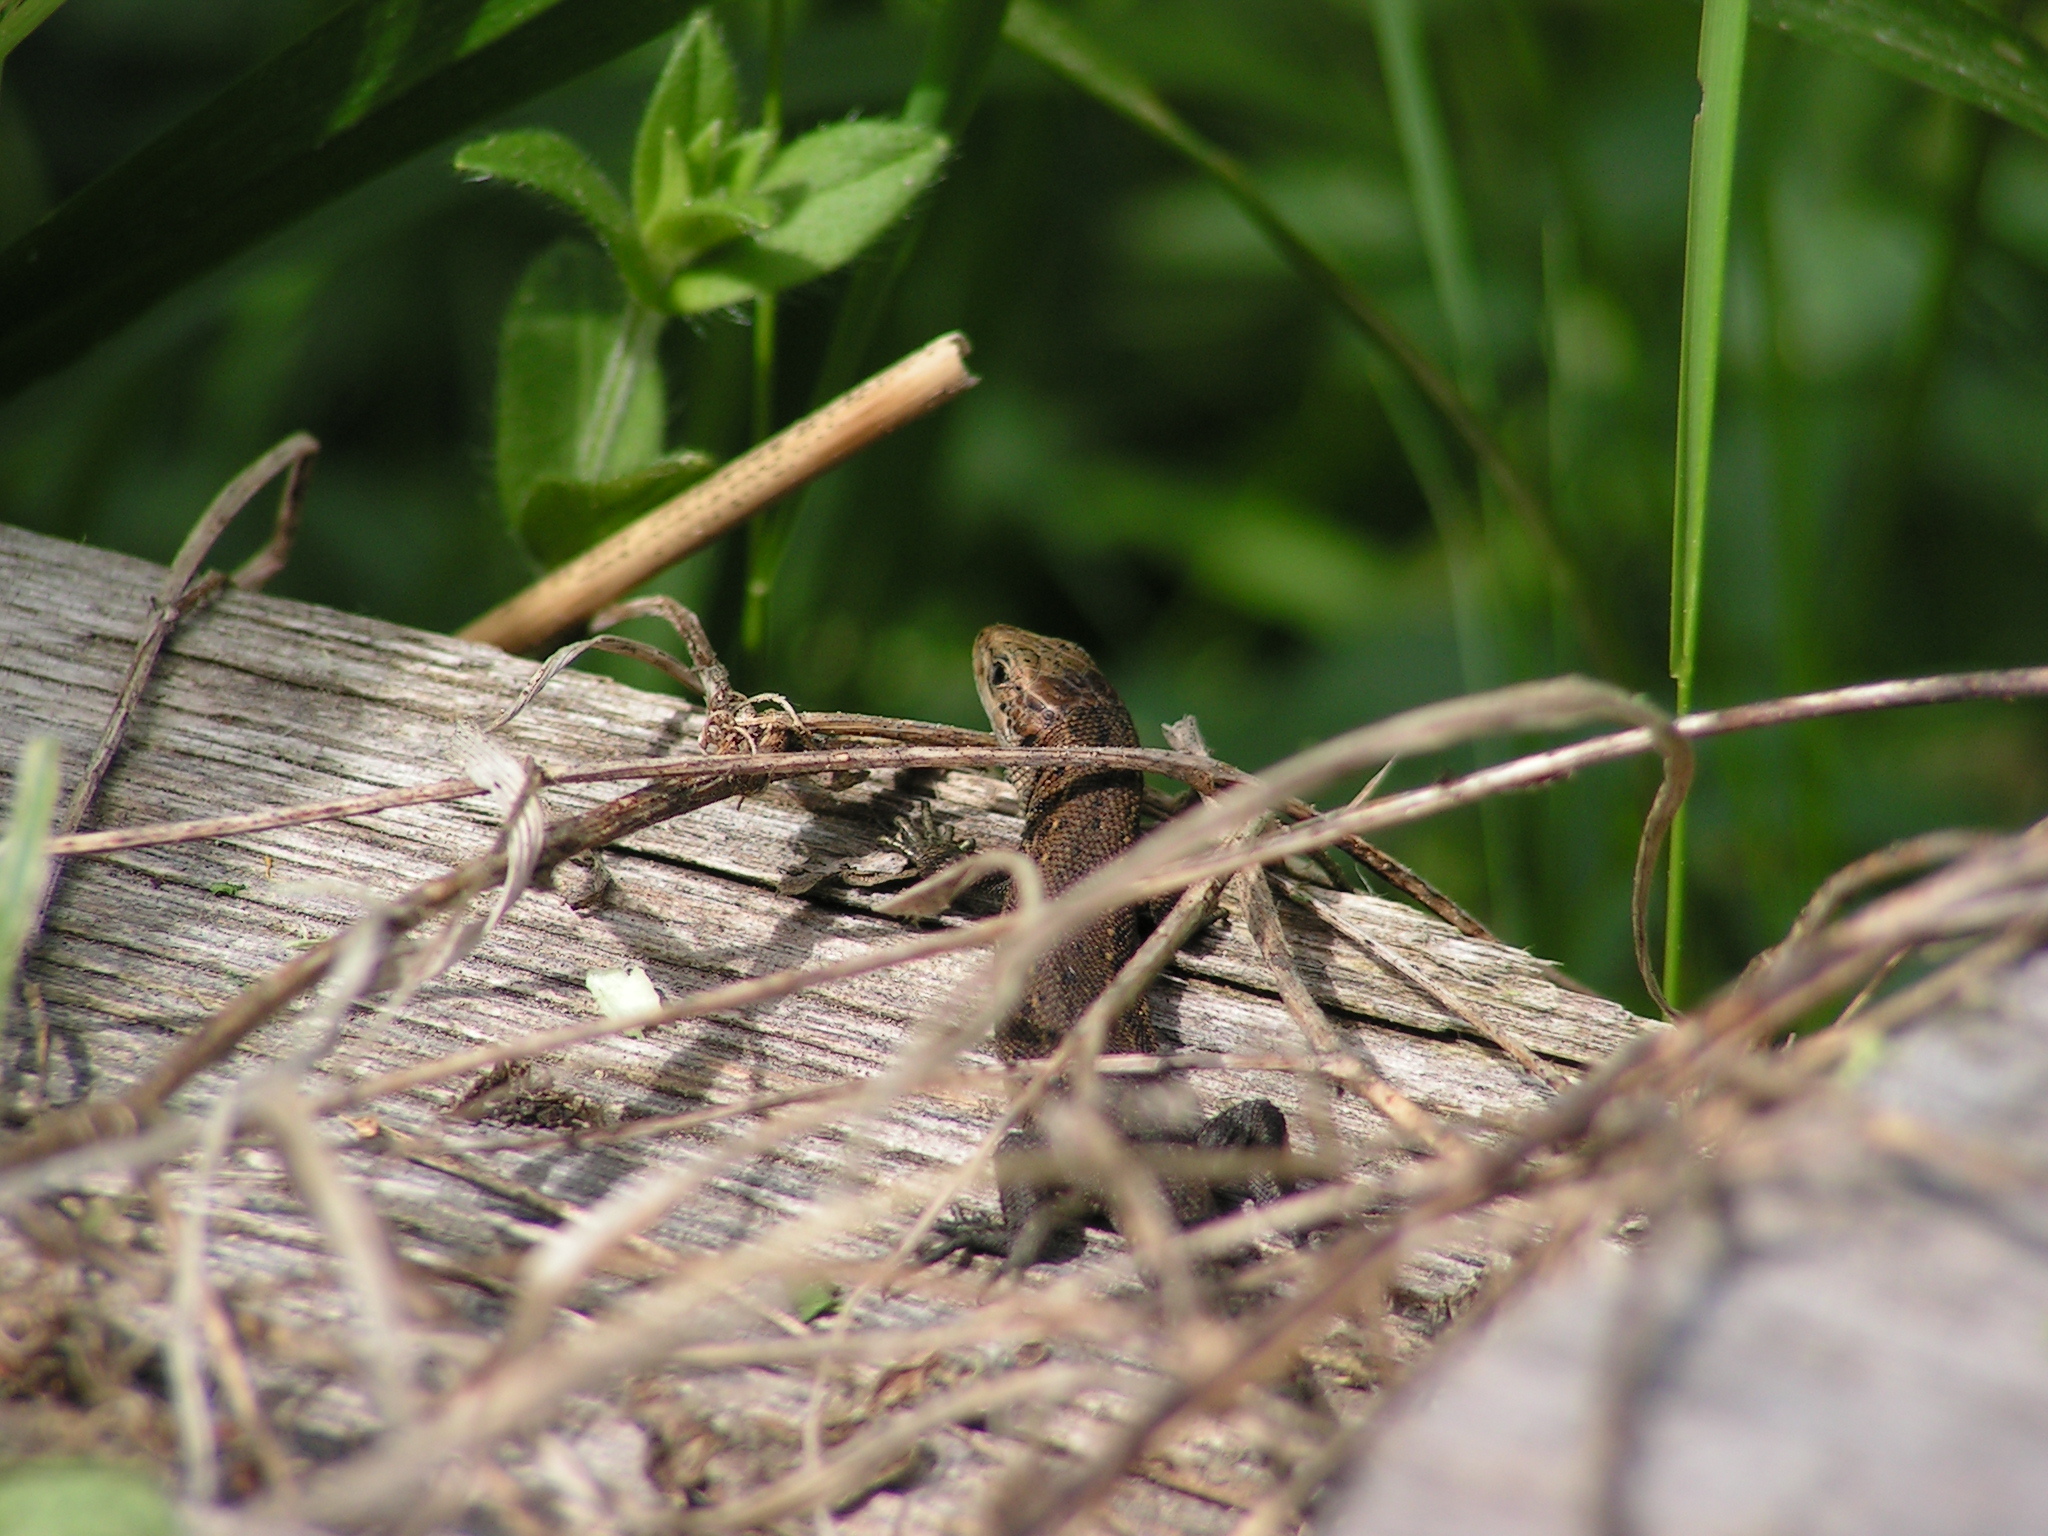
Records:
x=828, y=436
x=1561, y=1171
x=359, y=1240
x=1365, y=1078
x=1385, y=958
x=180, y=595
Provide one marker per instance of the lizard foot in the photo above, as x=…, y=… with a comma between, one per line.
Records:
x=962, y=1235
x=1256, y=1127
x=1030, y=1232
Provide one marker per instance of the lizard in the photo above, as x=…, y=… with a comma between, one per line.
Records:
x=1040, y=691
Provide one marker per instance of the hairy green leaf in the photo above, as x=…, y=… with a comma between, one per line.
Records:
x=839, y=188
x=678, y=236
x=369, y=86
x=580, y=396
x=1948, y=45
x=545, y=162
x=698, y=90
x=562, y=518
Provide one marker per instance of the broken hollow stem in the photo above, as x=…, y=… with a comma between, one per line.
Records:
x=924, y=380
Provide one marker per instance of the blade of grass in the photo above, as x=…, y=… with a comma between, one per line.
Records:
x=1054, y=40
x=1446, y=242
x=1450, y=507
x=1950, y=46
x=1433, y=187
x=1724, y=35
x=368, y=87
x=18, y=18
x=948, y=88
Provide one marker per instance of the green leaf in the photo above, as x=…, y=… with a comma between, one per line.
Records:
x=698, y=90
x=545, y=162
x=83, y=1498
x=18, y=18
x=24, y=863
x=678, y=235
x=1948, y=45
x=369, y=86
x=580, y=394
x=839, y=188
x=813, y=1299
x=692, y=167
x=562, y=518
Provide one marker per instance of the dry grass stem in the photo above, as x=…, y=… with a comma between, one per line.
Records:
x=1384, y=957
x=799, y=453
x=1273, y=1332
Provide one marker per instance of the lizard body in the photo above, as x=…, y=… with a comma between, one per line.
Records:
x=1040, y=691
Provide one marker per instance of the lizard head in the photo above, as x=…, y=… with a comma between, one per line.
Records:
x=1029, y=683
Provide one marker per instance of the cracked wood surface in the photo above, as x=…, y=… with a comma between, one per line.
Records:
x=1846, y=1338
x=265, y=702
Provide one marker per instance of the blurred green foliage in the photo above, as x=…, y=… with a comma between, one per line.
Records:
x=721, y=215
x=83, y=1498
x=1183, y=456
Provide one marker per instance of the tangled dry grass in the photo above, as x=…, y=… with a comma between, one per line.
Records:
x=603, y=1377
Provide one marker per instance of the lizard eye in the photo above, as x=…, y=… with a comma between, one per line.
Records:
x=998, y=674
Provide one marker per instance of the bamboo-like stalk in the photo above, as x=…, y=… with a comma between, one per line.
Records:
x=924, y=380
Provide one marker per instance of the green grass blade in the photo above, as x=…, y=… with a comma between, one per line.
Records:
x=1053, y=39
x=1440, y=216
x=24, y=864
x=1433, y=187
x=768, y=533
x=1948, y=45
x=18, y=18
x=367, y=88
x=1724, y=35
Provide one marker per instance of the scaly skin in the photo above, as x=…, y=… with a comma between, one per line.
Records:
x=1041, y=692
x=1044, y=692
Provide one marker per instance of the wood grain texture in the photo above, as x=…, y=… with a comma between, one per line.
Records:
x=261, y=701
x=1847, y=1340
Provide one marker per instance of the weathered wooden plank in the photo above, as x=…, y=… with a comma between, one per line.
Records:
x=1848, y=1340
x=264, y=702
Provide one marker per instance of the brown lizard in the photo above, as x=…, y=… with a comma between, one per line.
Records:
x=1045, y=692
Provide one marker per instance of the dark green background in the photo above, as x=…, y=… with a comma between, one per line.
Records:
x=1176, y=456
